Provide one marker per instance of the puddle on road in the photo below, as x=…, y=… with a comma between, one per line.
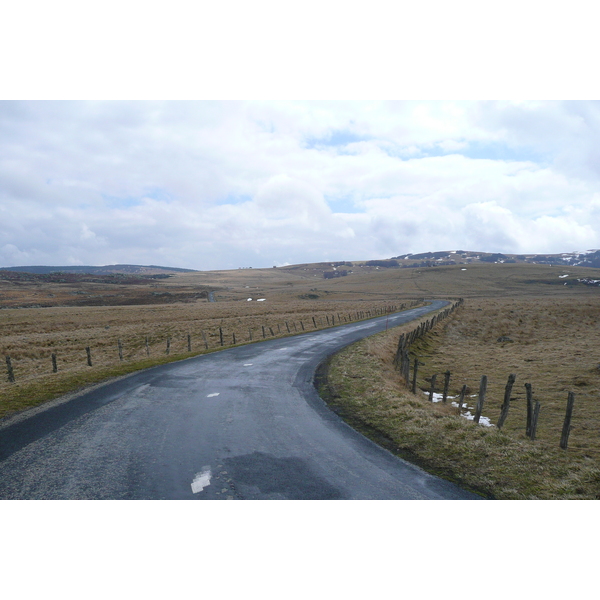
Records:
x=201, y=480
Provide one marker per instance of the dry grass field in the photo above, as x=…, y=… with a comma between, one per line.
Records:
x=554, y=329
x=299, y=281
x=552, y=344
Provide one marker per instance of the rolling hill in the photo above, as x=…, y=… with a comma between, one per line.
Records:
x=105, y=270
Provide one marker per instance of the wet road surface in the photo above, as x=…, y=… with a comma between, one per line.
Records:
x=243, y=423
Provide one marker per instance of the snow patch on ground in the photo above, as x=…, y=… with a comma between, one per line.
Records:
x=438, y=397
x=482, y=420
x=589, y=281
x=485, y=421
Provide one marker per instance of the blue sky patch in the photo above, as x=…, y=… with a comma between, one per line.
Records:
x=337, y=137
x=490, y=151
x=235, y=199
x=158, y=194
x=121, y=201
x=473, y=149
x=342, y=204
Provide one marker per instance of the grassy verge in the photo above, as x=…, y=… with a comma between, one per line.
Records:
x=362, y=386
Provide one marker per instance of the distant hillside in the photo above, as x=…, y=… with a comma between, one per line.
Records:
x=106, y=270
x=588, y=258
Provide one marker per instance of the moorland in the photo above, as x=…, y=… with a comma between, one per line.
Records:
x=548, y=315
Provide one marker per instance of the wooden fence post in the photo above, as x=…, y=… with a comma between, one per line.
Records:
x=480, y=399
x=234, y=338
x=564, y=438
x=461, y=398
x=147, y=347
x=11, y=373
x=415, y=369
x=302, y=325
x=89, y=356
x=263, y=330
x=406, y=368
x=190, y=343
x=529, y=409
x=314, y=322
x=433, y=378
x=54, y=365
x=120, y=345
x=168, y=351
x=446, y=386
x=402, y=352
x=506, y=403
x=398, y=357
x=399, y=350
x=221, y=336
x=205, y=340
x=271, y=330
x=249, y=334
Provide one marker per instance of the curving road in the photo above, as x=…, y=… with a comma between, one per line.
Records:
x=243, y=423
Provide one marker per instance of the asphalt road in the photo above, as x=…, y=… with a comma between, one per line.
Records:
x=243, y=423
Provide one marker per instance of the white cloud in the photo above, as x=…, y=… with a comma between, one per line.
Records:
x=228, y=184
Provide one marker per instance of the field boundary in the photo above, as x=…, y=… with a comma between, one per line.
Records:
x=24, y=393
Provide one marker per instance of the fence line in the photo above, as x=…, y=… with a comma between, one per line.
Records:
x=316, y=320
x=403, y=364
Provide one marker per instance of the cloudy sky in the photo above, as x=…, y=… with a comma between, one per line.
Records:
x=227, y=184
x=187, y=137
